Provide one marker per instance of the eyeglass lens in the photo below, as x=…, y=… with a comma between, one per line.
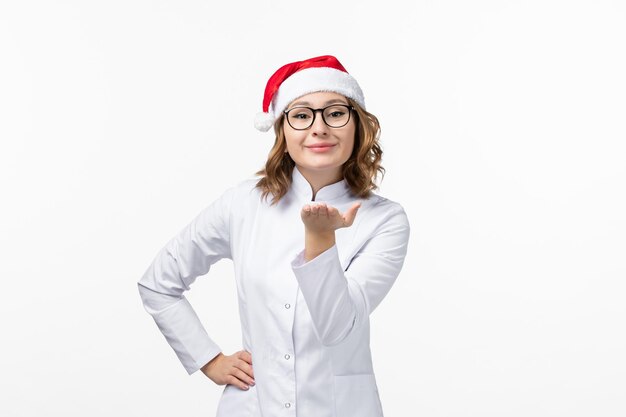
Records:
x=301, y=118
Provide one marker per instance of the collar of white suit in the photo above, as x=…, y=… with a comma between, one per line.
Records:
x=327, y=193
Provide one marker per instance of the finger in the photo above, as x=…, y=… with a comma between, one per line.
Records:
x=351, y=213
x=323, y=211
x=315, y=210
x=242, y=376
x=333, y=211
x=246, y=356
x=230, y=379
x=306, y=210
x=247, y=369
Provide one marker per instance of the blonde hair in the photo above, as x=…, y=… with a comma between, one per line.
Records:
x=360, y=170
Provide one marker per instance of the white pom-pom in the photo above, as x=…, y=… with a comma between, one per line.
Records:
x=263, y=121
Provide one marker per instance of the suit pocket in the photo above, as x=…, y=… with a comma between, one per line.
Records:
x=236, y=402
x=356, y=396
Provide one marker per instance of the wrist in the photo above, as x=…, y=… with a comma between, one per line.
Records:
x=207, y=365
x=316, y=243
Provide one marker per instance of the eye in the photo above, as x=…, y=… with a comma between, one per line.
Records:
x=337, y=113
x=300, y=114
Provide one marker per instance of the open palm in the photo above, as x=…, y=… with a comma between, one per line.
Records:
x=320, y=217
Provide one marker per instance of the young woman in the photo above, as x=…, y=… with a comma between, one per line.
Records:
x=314, y=251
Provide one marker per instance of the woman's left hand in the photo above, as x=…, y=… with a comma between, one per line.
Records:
x=320, y=222
x=322, y=218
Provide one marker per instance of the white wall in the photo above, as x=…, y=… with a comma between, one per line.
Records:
x=504, y=139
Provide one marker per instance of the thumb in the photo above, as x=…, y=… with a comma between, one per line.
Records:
x=351, y=213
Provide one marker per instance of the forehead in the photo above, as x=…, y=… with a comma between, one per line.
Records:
x=320, y=98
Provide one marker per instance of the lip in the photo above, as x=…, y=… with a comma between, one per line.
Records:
x=322, y=147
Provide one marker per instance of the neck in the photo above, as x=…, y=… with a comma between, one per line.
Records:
x=320, y=179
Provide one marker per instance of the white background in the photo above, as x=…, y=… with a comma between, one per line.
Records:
x=503, y=126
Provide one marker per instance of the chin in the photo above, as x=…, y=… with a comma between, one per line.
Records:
x=321, y=167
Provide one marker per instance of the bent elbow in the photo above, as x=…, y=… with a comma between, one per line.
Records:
x=154, y=301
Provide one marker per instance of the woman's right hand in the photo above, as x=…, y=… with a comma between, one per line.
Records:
x=235, y=369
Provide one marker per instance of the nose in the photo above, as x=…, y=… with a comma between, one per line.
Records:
x=319, y=127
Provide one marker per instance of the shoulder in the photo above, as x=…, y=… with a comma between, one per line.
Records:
x=382, y=217
x=242, y=190
x=247, y=186
x=240, y=198
x=384, y=210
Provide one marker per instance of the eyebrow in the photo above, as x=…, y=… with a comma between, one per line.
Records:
x=333, y=101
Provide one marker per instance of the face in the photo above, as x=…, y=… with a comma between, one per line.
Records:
x=320, y=151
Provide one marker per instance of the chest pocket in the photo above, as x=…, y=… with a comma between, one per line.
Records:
x=356, y=396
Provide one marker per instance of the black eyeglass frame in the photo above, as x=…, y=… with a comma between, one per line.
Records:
x=350, y=110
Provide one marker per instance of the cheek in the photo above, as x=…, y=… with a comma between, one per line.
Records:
x=287, y=139
x=289, y=144
x=292, y=139
x=350, y=149
x=351, y=140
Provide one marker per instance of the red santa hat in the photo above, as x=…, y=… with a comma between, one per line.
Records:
x=322, y=73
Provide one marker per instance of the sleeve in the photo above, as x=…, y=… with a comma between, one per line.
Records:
x=186, y=256
x=341, y=302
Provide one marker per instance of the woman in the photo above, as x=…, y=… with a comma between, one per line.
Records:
x=314, y=251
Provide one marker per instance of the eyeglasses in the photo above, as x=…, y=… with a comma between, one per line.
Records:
x=335, y=115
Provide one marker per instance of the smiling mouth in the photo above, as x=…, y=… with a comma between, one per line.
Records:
x=320, y=146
